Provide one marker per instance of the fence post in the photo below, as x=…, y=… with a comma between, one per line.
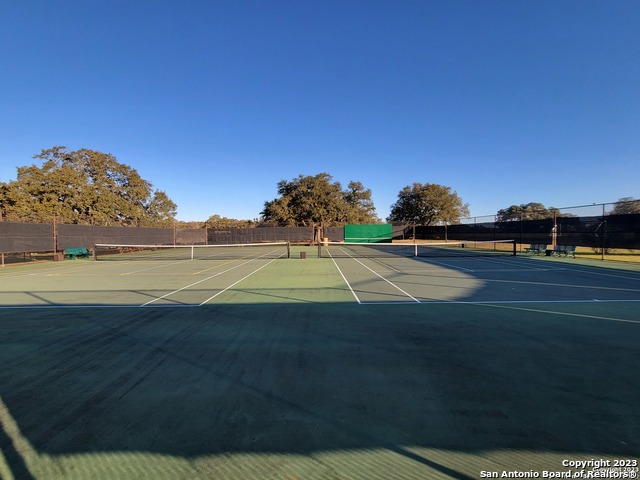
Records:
x=475, y=228
x=521, y=230
x=55, y=236
x=604, y=232
x=495, y=228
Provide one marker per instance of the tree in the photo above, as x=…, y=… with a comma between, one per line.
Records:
x=85, y=187
x=360, y=208
x=188, y=224
x=529, y=211
x=40, y=193
x=216, y=221
x=625, y=206
x=428, y=204
x=160, y=211
x=317, y=201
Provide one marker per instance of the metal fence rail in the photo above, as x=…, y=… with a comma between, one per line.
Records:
x=604, y=229
x=607, y=230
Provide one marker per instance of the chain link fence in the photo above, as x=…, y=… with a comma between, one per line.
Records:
x=608, y=231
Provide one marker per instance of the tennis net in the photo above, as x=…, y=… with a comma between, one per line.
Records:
x=444, y=249
x=192, y=252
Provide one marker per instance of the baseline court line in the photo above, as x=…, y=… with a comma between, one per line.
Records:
x=60, y=306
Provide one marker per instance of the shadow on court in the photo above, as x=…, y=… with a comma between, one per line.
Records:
x=286, y=376
x=302, y=379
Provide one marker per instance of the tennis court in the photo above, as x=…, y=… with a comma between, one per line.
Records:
x=355, y=365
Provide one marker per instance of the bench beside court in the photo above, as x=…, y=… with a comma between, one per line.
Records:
x=76, y=252
x=559, y=251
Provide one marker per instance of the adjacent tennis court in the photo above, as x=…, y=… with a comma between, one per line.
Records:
x=365, y=363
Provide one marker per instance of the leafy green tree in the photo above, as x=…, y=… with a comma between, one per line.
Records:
x=360, y=208
x=216, y=221
x=428, y=204
x=160, y=211
x=188, y=224
x=85, y=187
x=40, y=193
x=318, y=201
x=528, y=211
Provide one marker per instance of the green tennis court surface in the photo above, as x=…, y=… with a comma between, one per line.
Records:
x=317, y=368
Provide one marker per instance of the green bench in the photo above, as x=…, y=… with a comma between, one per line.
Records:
x=564, y=250
x=536, y=248
x=76, y=252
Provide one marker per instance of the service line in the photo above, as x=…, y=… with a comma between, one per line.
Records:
x=203, y=280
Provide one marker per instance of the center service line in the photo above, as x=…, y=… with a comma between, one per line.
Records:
x=234, y=284
x=345, y=280
x=199, y=281
x=388, y=281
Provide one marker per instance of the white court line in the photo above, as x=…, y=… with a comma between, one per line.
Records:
x=47, y=270
x=345, y=279
x=20, y=275
x=580, y=267
x=380, y=276
x=179, y=262
x=154, y=267
x=569, y=314
x=563, y=285
x=234, y=284
x=60, y=306
x=422, y=302
x=500, y=302
x=175, y=263
x=515, y=269
x=517, y=264
x=386, y=265
x=521, y=263
x=588, y=271
x=444, y=264
x=199, y=281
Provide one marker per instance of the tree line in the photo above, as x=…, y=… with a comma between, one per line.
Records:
x=90, y=187
x=84, y=187
x=537, y=211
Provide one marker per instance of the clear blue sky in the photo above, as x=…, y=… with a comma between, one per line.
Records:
x=214, y=102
